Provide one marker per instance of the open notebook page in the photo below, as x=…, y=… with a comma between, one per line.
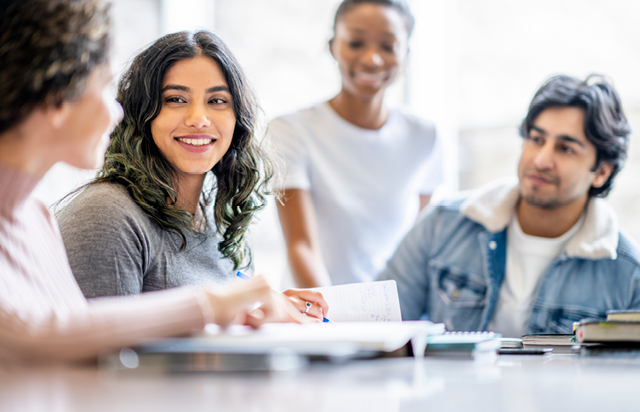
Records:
x=363, y=302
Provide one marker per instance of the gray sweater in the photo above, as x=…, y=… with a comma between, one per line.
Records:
x=115, y=249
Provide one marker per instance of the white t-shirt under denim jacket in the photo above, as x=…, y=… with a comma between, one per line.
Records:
x=364, y=184
x=527, y=259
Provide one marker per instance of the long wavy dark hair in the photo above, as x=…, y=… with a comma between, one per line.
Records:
x=134, y=161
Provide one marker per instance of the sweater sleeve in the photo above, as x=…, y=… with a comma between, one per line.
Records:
x=106, y=324
x=106, y=240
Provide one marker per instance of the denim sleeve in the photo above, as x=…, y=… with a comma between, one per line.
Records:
x=634, y=301
x=409, y=267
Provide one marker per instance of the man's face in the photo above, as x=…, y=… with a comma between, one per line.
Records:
x=557, y=160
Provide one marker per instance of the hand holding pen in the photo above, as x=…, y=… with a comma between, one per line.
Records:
x=308, y=302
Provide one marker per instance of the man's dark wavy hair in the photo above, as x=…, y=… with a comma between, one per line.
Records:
x=134, y=161
x=48, y=49
x=605, y=124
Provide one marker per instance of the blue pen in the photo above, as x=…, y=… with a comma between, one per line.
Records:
x=245, y=277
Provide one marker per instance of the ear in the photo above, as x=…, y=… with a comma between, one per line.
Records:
x=331, y=43
x=57, y=115
x=602, y=174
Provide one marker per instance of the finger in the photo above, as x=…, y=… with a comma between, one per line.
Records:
x=307, y=319
x=314, y=311
x=294, y=315
x=255, y=318
x=300, y=304
x=308, y=295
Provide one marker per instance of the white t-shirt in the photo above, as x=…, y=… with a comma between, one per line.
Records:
x=365, y=184
x=528, y=257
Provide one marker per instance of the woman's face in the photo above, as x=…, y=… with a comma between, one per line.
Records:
x=195, y=125
x=370, y=45
x=88, y=121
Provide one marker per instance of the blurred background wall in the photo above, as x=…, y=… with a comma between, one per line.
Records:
x=473, y=68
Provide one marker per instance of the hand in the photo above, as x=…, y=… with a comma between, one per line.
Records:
x=231, y=303
x=299, y=297
x=279, y=309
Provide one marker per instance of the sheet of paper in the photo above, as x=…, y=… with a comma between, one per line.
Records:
x=363, y=302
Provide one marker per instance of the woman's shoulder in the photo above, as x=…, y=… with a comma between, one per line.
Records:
x=415, y=123
x=303, y=117
x=102, y=202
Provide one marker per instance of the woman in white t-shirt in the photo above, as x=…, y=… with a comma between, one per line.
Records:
x=357, y=172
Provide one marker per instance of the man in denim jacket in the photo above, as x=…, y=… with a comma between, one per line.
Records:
x=536, y=254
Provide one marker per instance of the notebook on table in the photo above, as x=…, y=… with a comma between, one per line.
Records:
x=271, y=347
x=365, y=317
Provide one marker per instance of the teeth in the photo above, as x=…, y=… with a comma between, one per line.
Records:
x=370, y=76
x=195, y=142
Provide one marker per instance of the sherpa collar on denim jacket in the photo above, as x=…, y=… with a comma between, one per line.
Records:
x=493, y=206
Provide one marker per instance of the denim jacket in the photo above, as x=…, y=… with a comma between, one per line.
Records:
x=450, y=266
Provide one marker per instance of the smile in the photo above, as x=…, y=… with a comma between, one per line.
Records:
x=370, y=78
x=541, y=179
x=195, y=141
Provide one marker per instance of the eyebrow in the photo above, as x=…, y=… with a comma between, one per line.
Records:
x=360, y=31
x=564, y=138
x=188, y=90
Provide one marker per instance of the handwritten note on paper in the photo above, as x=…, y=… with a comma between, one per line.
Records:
x=363, y=302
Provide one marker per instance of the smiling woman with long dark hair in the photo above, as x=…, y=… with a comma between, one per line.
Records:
x=183, y=177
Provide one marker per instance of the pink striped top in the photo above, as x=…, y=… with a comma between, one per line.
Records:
x=43, y=314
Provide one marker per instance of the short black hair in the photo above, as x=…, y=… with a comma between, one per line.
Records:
x=605, y=124
x=48, y=48
x=399, y=5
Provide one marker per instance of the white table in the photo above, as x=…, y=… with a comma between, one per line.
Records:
x=565, y=383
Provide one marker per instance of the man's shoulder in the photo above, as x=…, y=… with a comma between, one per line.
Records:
x=453, y=201
x=448, y=208
x=628, y=250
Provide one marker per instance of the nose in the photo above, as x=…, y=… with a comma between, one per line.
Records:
x=372, y=58
x=544, y=158
x=197, y=117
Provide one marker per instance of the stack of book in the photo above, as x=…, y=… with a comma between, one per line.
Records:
x=559, y=343
x=618, y=335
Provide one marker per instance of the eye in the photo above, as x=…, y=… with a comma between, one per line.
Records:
x=566, y=149
x=389, y=48
x=217, y=100
x=535, y=139
x=355, y=44
x=174, y=99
